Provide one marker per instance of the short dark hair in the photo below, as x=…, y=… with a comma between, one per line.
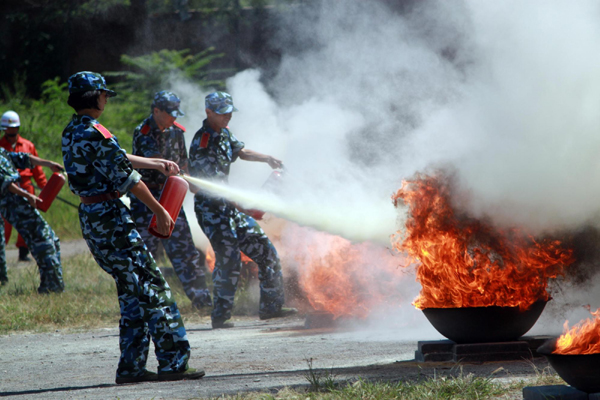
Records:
x=83, y=100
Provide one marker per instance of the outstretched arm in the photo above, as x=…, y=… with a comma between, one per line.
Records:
x=54, y=166
x=166, y=167
x=251, y=155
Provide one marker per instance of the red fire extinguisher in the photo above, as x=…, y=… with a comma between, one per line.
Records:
x=50, y=191
x=171, y=198
x=273, y=181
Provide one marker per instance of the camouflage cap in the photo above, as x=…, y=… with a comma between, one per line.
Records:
x=85, y=81
x=220, y=102
x=168, y=102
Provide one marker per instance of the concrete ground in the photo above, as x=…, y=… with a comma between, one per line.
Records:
x=253, y=356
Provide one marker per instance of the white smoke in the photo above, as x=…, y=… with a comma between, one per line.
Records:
x=523, y=133
x=505, y=93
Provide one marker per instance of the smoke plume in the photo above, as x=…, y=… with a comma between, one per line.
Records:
x=506, y=94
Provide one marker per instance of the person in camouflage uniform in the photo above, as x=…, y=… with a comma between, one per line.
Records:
x=99, y=172
x=12, y=141
x=3, y=269
x=160, y=136
x=18, y=207
x=230, y=230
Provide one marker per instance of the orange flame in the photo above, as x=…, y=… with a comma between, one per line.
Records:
x=583, y=338
x=210, y=258
x=464, y=262
x=346, y=279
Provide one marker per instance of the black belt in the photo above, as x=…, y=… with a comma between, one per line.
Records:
x=100, y=198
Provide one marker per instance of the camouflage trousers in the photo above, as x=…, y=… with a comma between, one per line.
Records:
x=148, y=309
x=231, y=231
x=3, y=271
x=39, y=237
x=187, y=261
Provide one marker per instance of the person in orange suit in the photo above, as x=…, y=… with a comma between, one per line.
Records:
x=13, y=142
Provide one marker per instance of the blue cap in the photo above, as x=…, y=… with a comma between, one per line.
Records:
x=85, y=81
x=168, y=102
x=220, y=103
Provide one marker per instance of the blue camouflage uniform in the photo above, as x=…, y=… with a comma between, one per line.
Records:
x=97, y=165
x=150, y=141
x=229, y=230
x=3, y=270
x=38, y=235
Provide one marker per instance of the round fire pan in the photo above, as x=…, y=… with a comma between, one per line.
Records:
x=582, y=371
x=484, y=324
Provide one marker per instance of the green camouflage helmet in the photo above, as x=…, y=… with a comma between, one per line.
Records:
x=85, y=81
x=220, y=102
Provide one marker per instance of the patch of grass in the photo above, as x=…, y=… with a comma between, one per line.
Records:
x=89, y=301
x=320, y=381
x=460, y=387
x=546, y=376
x=90, y=298
x=542, y=377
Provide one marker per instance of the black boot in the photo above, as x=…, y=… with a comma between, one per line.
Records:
x=23, y=252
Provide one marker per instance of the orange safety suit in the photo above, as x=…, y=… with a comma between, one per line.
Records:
x=23, y=146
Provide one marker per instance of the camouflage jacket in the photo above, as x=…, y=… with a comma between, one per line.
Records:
x=211, y=153
x=9, y=163
x=149, y=141
x=93, y=159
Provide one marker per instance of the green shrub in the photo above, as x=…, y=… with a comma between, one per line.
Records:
x=43, y=119
x=150, y=73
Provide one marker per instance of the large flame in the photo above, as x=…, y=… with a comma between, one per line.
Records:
x=335, y=275
x=583, y=338
x=344, y=278
x=464, y=262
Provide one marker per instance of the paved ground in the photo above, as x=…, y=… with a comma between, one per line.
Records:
x=255, y=355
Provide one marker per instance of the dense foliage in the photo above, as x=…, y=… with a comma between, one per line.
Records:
x=43, y=119
x=42, y=39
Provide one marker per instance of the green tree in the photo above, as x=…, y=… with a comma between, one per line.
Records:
x=150, y=72
x=36, y=35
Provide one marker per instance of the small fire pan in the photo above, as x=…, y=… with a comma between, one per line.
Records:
x=484, y=324
x=582, y=371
